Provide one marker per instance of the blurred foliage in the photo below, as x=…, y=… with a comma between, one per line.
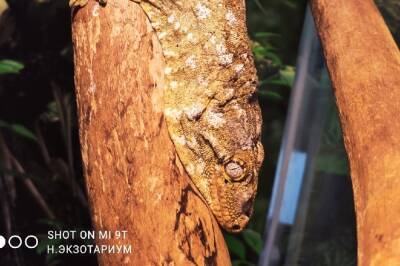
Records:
x=337, y=250
x=10, y=66
x=41, y=183
x=332, y=157
x=18, y=130
x=246, y=247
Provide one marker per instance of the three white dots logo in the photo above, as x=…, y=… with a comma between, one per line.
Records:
x=15, y=241
x=2, y=241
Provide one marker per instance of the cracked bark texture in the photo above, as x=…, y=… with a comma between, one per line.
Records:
x=364, y=66
x=134, y=178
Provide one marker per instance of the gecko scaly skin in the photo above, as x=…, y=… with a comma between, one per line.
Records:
x=211, y=108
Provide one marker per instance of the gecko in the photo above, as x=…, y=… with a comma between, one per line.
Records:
x=210, y=101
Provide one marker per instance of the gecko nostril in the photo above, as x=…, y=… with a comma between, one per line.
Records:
x=239, y=223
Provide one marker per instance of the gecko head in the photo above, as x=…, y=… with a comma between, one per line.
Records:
x=237, y=157
x=236, y=190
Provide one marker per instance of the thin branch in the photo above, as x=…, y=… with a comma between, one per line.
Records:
x=261, y=7
x=65, y=118
x=32, y=188
x=42, y=144
x=7, y=188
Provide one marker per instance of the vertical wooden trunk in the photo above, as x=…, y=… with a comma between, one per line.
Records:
x=364, y=65
x=134, y=179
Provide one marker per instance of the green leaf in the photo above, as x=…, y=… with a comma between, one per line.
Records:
x=259, y=51
x=52, y=113
x=288, y=74
x=277, y=81
x=274, y=58
x=270, y=95
x=285, y=77
x=265, y=34
x=266, y=52
x=293, y=4
x=52, y=107
x=10, y=66
x=19, y=130
x=235, y=246
x=22, y=131
x=253, y=239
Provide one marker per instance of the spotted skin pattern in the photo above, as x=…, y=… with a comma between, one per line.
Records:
x=211, y=109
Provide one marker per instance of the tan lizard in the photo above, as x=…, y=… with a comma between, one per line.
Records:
x=211, y=107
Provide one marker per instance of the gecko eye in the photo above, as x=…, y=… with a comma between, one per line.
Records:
x=235, y=170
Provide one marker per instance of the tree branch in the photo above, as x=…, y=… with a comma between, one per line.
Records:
x=134, y=178
x=364, y=66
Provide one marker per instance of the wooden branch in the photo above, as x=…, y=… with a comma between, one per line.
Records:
x=33, y=189
x=134, y=179
x=364, y=65
x=10, y=163
x=7, y=187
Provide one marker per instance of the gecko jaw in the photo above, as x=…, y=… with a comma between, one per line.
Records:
x=239, y=224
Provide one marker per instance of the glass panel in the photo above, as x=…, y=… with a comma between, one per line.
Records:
x=311, y=218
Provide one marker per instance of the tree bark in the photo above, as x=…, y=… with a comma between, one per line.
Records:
x=134, y=178
x=364, y=66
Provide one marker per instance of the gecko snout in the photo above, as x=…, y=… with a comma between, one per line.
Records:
x=243, y=219
x=240, y=223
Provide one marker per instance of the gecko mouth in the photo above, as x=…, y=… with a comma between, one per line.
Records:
x=240, y=223
x=237, y=220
